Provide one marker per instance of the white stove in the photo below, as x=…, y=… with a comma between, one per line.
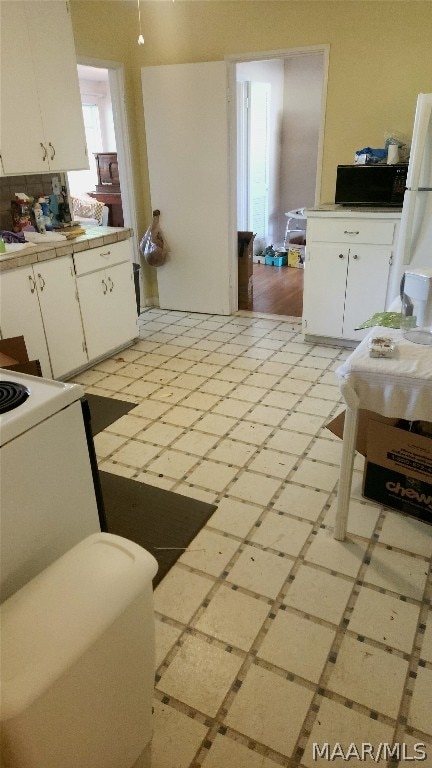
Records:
x=45, y=397
x=49, y=480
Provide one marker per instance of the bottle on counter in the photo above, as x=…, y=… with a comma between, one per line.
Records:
x=46, y=213
x=39, y=218
x=2, y=245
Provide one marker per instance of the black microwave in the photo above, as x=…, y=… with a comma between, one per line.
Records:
x=371, y=185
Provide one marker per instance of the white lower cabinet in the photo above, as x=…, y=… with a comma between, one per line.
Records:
x=21, y=315
x=345, y=280
x=61, y=315
x=71, y=310
x=108, y=308
x=106, y=293
x=41, y=303
x=344, y=287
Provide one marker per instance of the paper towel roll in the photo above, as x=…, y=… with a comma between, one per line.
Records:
x=392, y=154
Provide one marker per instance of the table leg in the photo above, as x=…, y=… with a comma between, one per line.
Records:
x=346, y=470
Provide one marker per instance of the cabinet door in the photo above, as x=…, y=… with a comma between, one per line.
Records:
x=325, y=277
x=93, y=294
x=108, y=309
x=54, y=65
x=21, y=124
x=123, y=319
x=61, y=315
x=368, y=274
x=21, y=315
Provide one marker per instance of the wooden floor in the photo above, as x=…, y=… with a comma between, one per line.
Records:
x=278, y=290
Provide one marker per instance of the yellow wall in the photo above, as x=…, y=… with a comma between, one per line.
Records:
x=380, y=58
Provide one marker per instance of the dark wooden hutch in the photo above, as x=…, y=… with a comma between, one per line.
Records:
x=108, y=187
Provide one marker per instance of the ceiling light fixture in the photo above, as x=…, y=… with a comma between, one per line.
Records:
x=140, y=36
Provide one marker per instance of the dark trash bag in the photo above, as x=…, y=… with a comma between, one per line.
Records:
x=153, y=246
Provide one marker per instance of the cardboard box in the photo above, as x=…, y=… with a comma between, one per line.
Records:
x=398, y=470
x=337, y=426
x=398, y=467
x=296, y=256
x=14, y=356
x=245, y=295
x=245, y=269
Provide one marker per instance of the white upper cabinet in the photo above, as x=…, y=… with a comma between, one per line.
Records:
x=42, y=125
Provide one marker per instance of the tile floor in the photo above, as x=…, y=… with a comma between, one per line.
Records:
x=271, y=635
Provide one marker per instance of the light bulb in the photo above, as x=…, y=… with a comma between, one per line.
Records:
x=140, y=36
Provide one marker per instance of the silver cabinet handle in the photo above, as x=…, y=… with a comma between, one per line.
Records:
x=112, y=284
x=106, y=254
x=52, y=151
x=105, y=286
x=32, y=284
x=41, y=281
x=45, y=153
x=355, y=256
x=341, y=256
x=347, y=232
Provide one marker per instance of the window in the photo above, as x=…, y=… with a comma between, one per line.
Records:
x=81, y=182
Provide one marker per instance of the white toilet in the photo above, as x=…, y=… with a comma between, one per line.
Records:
x=77, y=652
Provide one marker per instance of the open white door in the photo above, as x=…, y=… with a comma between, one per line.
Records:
x=186, y=121
x=259, y=118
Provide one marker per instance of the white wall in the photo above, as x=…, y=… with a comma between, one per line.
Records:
x=300, y=131
x=270, y=72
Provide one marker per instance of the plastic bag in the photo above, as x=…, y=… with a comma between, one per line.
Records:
x=385, y=319
x=370, y=156
x=153, y=245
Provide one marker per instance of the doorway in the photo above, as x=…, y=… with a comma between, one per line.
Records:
x=114, y=131
x=279, y=124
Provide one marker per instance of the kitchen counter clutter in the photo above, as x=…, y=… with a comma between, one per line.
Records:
x=349, y=255
x=34, y=252
x=73, y=301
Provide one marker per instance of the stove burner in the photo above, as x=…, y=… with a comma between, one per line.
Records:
x=12, y=395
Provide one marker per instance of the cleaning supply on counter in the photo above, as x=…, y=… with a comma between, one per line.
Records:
x=2, y=245
x=39, y=218
x=46, y=213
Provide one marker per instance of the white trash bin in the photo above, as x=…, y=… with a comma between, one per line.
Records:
x=77, y=652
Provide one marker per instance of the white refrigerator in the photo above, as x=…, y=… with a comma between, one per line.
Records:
x=414, y=245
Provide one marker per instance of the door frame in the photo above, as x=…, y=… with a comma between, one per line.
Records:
x=116, y=81
x=231, y=61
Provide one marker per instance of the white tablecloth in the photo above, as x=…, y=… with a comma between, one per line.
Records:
x=397, y=387
x=400, y=386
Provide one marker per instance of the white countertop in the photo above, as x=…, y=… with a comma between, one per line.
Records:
x=362, y=212
x=31, y=253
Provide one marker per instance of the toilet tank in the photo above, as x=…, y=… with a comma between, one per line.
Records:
x=78, y=660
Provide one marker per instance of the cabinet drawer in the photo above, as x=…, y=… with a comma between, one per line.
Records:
x=102, y=257
x=351, y=231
